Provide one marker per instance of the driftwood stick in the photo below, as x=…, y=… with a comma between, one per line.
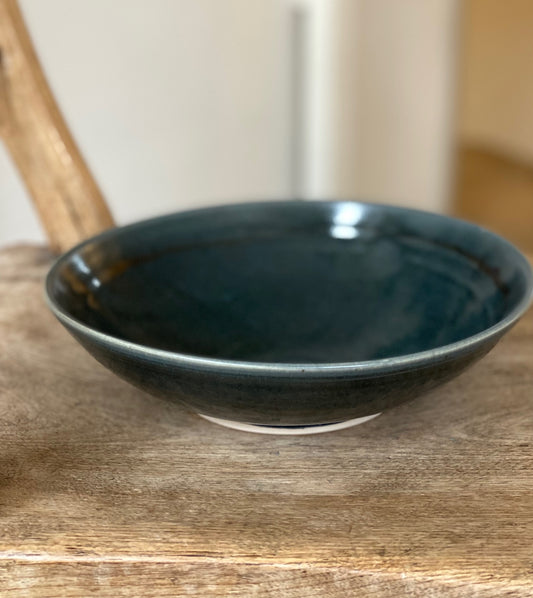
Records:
x=70, y=204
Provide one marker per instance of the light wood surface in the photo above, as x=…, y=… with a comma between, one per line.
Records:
x=70, y=205
x=106, y=491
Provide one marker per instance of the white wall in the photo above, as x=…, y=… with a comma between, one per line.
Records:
x=175, y=103
x=406, y=88
x=180, y=103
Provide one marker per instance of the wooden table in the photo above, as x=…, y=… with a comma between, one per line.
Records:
x=106, y=491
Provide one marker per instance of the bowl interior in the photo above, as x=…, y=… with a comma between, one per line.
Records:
x=294, y=282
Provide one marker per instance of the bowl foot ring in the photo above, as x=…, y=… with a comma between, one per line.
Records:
x=289, y=430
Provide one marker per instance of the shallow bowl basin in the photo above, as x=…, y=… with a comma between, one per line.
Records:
x=291, y=316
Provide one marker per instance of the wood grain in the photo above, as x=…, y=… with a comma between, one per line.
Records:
x=70, y=205
x=107, y=491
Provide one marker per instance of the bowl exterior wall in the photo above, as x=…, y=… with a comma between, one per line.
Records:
x=304, y=398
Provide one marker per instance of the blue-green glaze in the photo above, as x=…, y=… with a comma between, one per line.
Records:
x=291, y=313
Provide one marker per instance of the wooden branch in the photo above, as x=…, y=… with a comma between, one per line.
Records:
x=70, y=205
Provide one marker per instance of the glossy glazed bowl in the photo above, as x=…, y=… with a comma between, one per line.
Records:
x=291, y=316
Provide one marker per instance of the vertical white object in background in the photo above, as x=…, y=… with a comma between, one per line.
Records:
x=317, y=88
x=378, y=99
x=326, y=92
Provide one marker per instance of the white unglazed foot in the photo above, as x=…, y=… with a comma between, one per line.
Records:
x=289, y=430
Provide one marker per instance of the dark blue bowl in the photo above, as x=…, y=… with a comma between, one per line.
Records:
x=291, y=314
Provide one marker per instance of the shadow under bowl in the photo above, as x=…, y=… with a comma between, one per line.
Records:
x=291, y=314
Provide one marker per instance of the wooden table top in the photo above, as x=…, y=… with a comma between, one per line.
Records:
x=107, y=491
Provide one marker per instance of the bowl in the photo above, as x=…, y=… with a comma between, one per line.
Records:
x=291, y=317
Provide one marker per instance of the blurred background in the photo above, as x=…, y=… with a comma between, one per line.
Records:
x=185, y=103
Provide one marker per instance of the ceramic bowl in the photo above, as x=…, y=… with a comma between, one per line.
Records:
x=295, y=316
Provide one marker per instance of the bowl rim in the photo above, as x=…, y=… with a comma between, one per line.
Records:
x=383, y=365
